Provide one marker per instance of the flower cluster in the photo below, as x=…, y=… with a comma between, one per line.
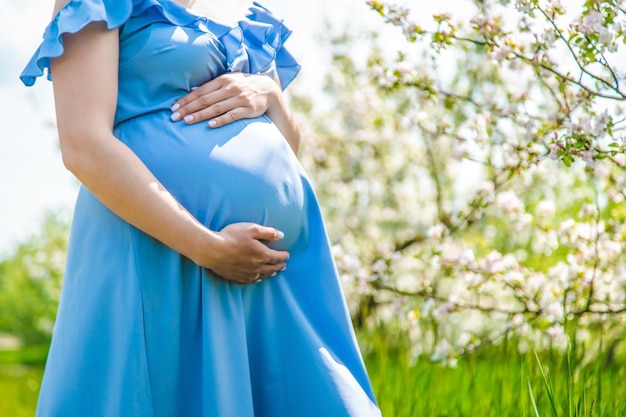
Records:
x=444, y=178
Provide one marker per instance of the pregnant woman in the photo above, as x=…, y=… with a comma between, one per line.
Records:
x=199, y=278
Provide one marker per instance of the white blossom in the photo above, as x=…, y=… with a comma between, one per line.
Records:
x=442, y=351
x=545, y=208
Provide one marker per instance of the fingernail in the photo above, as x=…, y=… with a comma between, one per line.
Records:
x=175, y=107
x=175, y=116
x=212, y=123
x=280, y=234
x=194, y=88
x=274, y=274
x=188, y=118
x=284, y=267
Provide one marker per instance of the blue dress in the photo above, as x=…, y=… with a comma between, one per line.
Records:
x=143, y=331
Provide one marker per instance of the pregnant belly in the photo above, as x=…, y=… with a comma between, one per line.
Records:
x=242, y=172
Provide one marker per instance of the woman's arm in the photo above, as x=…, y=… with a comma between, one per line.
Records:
x=85, y=90
x=235, y=96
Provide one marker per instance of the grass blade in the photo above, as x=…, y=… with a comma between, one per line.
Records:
x=532, y=399
x=547, y=382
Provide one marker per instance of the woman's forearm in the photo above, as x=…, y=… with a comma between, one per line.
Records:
x=282, y=117
x=120, y=180
x=116, y=176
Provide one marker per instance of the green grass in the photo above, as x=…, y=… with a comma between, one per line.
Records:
x=497, y=382
x=19, y=385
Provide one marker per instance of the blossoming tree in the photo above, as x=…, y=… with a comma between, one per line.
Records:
x=482, y=174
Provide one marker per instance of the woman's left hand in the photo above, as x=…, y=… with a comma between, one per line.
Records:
x=227, y=98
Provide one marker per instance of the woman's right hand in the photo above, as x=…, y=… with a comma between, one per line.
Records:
x=235, y=96
x=227, y=98
x=242, y=257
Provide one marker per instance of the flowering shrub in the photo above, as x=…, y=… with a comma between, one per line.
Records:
x=443, y=175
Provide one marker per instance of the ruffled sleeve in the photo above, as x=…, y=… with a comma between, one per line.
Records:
x=261, y=47
x=73, y=17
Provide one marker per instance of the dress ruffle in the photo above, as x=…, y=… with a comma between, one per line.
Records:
x=73, y=17
x=255, y=45
x=263, y=36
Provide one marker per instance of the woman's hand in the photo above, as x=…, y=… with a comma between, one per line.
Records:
x=235, y=96
x=242, y=257
x=227, y=98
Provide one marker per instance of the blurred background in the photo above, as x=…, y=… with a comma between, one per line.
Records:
x=468, y=156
